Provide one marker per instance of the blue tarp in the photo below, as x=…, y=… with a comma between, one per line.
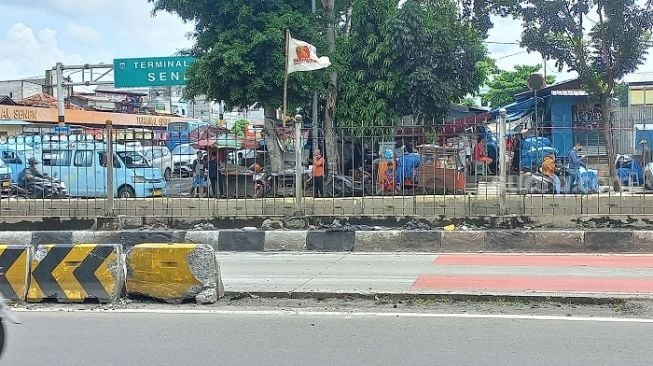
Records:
x=627, y=167
x=516, y=110
x=533, y=151
x=406, y=166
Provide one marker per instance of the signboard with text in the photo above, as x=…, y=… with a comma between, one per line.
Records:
x=152, y=71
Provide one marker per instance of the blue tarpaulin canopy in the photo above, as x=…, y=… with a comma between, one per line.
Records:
x=515, y=110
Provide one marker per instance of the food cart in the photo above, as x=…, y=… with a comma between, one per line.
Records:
x=441, y=170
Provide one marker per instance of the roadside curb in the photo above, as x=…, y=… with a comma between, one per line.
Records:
x=427, y=241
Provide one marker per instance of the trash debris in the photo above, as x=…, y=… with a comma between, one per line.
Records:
x=449, y=228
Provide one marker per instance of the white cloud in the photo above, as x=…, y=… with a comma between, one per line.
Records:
x=83, y=34
x=25, y=54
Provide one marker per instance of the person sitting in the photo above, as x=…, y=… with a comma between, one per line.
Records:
x=388, y=184
x=549, y=170
x=480, y=154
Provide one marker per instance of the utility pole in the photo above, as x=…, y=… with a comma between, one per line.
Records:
x=502, y=161
x=109, y=142
x=60, y=97
x=299, y=184
x=314, y=115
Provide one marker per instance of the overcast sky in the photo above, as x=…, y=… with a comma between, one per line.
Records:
x=35, y=34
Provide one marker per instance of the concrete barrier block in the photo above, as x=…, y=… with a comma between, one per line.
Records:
x=75, y=273
x=16, y=237
x=508, y=240
x=465, y=241
x=643, y=241
x=330, y=241
x=52, y=237
x=174, y=272
x=241, y=241
x=285, y=240
x=609, y=241
x=130, y=238
x=204, y=237
x=14, y=262
x=558, y=241
x=397, y=240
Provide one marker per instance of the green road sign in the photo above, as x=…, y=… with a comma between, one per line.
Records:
x=151, y=71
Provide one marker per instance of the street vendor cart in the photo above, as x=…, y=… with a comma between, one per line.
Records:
x=441, y=170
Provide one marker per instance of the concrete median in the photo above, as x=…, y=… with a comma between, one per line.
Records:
x=76, y=273
x=174, y=272
x=14, y=263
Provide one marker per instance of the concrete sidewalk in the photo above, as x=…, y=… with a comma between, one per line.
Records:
x=530, y=275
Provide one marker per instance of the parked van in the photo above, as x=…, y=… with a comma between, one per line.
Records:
x=15, y=158
x=5, y=177
x=82, y=166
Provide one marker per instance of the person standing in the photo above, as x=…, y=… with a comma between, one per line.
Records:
x=214, y=171
x=575, y=163
x=318, y=174
x=199, y=178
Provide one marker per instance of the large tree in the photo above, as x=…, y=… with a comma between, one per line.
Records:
x=240, y=50
x=440, y=56
x=369, y=83
x=505, y=84
x=601, y=40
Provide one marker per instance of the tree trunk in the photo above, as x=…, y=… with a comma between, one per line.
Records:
x=271, y=141
x=609, y=142
x=332, y=155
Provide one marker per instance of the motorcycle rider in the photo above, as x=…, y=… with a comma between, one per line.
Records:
x=31, y=176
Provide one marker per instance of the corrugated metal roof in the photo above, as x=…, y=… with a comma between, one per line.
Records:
x=570, y=93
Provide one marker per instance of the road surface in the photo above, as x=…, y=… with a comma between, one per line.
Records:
x=467, y=274
x=140, y=339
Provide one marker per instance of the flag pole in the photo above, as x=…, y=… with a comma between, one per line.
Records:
x=285, y=81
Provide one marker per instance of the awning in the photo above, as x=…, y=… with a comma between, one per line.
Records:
x=516, y=110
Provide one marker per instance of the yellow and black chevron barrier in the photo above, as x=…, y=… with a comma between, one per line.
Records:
x=75, y=273
x=174, y=272
x=14, y=263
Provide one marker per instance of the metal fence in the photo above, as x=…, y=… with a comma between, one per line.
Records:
x=402, y=170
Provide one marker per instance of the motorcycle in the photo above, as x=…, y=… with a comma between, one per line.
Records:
x=45, y=187
x=536, y=182
x=346, y=186
x=5, y=314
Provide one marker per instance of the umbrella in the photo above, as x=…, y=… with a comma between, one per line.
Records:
x=206, y=136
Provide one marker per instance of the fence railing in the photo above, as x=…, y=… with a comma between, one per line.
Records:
x=379, y=171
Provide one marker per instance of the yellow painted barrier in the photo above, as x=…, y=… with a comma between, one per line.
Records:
x=14, y=263
x=174, y=272
x=75, y=273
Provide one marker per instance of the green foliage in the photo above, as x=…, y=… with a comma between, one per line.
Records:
x=240, y=128
x=368, y=82
x=602, y=40
x=240, y=45
x=621, y=93
x=439, y=56
x=506, y=84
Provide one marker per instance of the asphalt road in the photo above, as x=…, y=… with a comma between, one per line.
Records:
x=127, y=339
x=599, y=276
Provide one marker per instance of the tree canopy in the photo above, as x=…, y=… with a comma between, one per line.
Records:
x=601, y=40
x=439, y=56
x=505, y=84
x=240, y=48
x=369, y=82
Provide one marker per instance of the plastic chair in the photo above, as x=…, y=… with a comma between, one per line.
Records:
x=480, y=168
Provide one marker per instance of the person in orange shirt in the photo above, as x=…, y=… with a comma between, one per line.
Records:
x=318, y=174
x=480, y=153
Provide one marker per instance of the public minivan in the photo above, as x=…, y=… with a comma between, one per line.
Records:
x=15, y=158
x=5, y=177
x=82, y=166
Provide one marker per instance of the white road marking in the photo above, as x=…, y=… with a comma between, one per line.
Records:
x=345, y=314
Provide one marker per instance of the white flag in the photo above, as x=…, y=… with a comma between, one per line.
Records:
x=302, y=56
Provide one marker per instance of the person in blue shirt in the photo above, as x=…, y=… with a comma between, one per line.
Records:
x=575, y=163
